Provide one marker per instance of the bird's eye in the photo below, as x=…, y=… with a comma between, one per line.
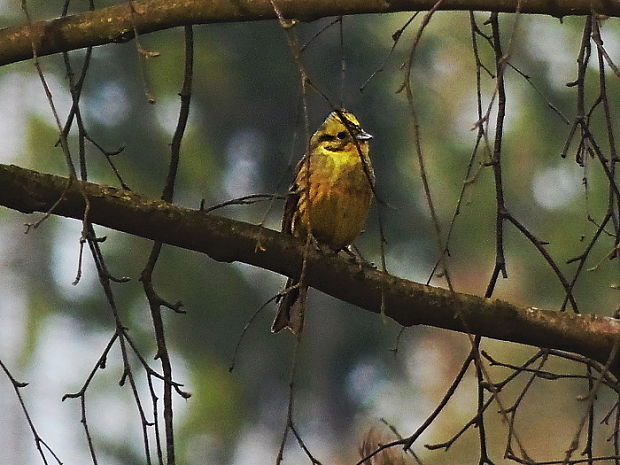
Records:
x=341, y=135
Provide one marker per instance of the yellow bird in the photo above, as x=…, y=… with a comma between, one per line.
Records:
x=330, y=197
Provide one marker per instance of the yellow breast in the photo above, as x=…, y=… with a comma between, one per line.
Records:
x=340, y=195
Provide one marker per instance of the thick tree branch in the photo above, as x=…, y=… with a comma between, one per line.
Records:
x=223, y=239
x=116, y=23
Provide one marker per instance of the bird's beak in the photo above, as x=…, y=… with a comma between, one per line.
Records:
x=363, y=135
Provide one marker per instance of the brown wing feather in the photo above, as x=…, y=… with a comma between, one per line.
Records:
x=289, y=311
x=291, y=206
x=289, y=210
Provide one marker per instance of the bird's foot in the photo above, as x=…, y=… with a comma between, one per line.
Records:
x=356, y=257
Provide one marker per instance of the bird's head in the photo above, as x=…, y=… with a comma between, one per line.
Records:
x=341, y=131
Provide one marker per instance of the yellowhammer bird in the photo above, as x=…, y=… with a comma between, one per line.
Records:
x=330, y=196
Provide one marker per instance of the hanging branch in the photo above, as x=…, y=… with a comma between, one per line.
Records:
x=155, y=301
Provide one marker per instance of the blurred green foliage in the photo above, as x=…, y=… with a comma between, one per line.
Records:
x=245, y=133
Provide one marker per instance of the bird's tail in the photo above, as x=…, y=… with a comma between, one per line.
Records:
x=291, y=309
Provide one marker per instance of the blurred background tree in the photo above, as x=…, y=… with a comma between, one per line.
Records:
x=245, y=133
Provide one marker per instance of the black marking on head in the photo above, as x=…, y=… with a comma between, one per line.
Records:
x=326, y=137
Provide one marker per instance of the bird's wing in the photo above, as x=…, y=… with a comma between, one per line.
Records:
x=290, y=309
x=292, y=197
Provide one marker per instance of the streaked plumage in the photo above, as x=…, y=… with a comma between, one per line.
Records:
x=333, y=200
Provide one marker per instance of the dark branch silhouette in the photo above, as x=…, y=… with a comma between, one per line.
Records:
x=120, y=23
x=227, y=240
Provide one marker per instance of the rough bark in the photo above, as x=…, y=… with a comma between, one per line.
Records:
x=223, y=239
x=119, y=23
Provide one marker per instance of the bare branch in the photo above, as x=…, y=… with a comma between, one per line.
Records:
x=223, y=239
x=119, y=24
